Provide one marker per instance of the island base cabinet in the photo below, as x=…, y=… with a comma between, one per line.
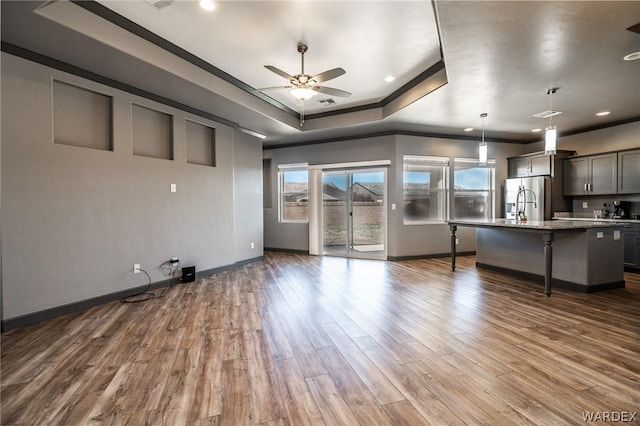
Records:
x=585, y=261
x=632, y=247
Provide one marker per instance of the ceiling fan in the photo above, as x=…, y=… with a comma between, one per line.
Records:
x=304, y=86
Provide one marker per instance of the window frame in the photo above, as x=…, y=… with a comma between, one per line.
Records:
x=282, y=170
x=491, y=165
x=428, y=160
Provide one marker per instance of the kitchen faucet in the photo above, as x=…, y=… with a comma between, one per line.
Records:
x=522, y=191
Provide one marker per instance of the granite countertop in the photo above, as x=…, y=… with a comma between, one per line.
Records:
x=547, y=225
x=589, y=219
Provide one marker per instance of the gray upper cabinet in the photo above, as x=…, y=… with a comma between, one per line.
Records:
x=540, y=165
x=591, y=175
x=604, y=174
x=629, y=172
x=576, y=171
x=530, y=165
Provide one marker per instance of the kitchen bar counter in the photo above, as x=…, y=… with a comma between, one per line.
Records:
x=588, y=255
x=589, y=219
x=533, y=225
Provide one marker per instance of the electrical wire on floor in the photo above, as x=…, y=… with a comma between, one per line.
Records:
x=145, y=293
x=169, y=268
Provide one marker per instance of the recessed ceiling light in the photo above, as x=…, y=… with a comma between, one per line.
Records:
x=603, y=113
x=632, y=56
x=536, y=130
x=389, y=78
x=207, y=5
x=468, y=129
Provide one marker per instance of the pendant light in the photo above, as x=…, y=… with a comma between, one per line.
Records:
x=550, y=130
x=482, y=148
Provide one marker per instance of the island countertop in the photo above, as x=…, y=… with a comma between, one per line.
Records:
x=547, y=225
x=591, y=252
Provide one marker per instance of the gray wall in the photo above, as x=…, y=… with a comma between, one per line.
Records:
x=414, y=240
x=75, y=220
x=295, y=236
x=617, y=138
x=403, y=240
x=609, y=139
x=247, y=194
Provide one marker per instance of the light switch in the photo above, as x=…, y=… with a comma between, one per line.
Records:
x=393, y=206
x=173, y=187
x=599, y=235
x=616, y=235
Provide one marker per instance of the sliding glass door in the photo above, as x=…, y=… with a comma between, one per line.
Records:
x=354, y=213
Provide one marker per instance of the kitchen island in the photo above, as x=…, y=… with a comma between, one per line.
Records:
x=583, y=256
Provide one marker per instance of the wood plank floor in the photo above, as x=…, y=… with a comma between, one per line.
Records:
x=306, y=340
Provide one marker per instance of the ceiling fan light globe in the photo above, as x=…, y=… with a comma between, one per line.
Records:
x=207, y=5
x=303, y=93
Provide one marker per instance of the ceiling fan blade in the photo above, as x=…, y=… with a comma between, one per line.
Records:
x=265, y=89
x=279, y=72
x=328, y=75
x=332, y=91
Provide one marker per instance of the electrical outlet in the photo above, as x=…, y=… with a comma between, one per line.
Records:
x=136, y=268
x=252, y=245
x=585, y=205
x=457, y=241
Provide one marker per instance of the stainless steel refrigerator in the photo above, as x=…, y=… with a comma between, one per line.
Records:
x=528, y=195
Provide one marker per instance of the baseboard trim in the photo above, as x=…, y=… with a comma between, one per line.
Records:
x=247, y=261
x=286, y=250
x=428, y=256
x=29, y=319
x=556, y=283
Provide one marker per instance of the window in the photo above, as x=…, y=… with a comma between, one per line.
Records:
x=293, y=191
x=474, y=190
x=425, y=189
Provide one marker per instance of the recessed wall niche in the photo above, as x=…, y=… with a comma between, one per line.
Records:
x=81, y=117
x=201, y=144
x=152, y=133
x=266, y=183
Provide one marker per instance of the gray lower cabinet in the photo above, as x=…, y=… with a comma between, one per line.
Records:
x=632, y=247
x=591, y=175
x=629, y=172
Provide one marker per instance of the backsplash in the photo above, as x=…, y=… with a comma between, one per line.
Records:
x=599, y=202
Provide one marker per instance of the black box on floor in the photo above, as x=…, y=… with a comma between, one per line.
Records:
x=188, y=274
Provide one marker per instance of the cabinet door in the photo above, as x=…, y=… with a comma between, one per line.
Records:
x=575, y=176
x=540, y=165
x=629, y=172
x=518, y=167
x=604, y=174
